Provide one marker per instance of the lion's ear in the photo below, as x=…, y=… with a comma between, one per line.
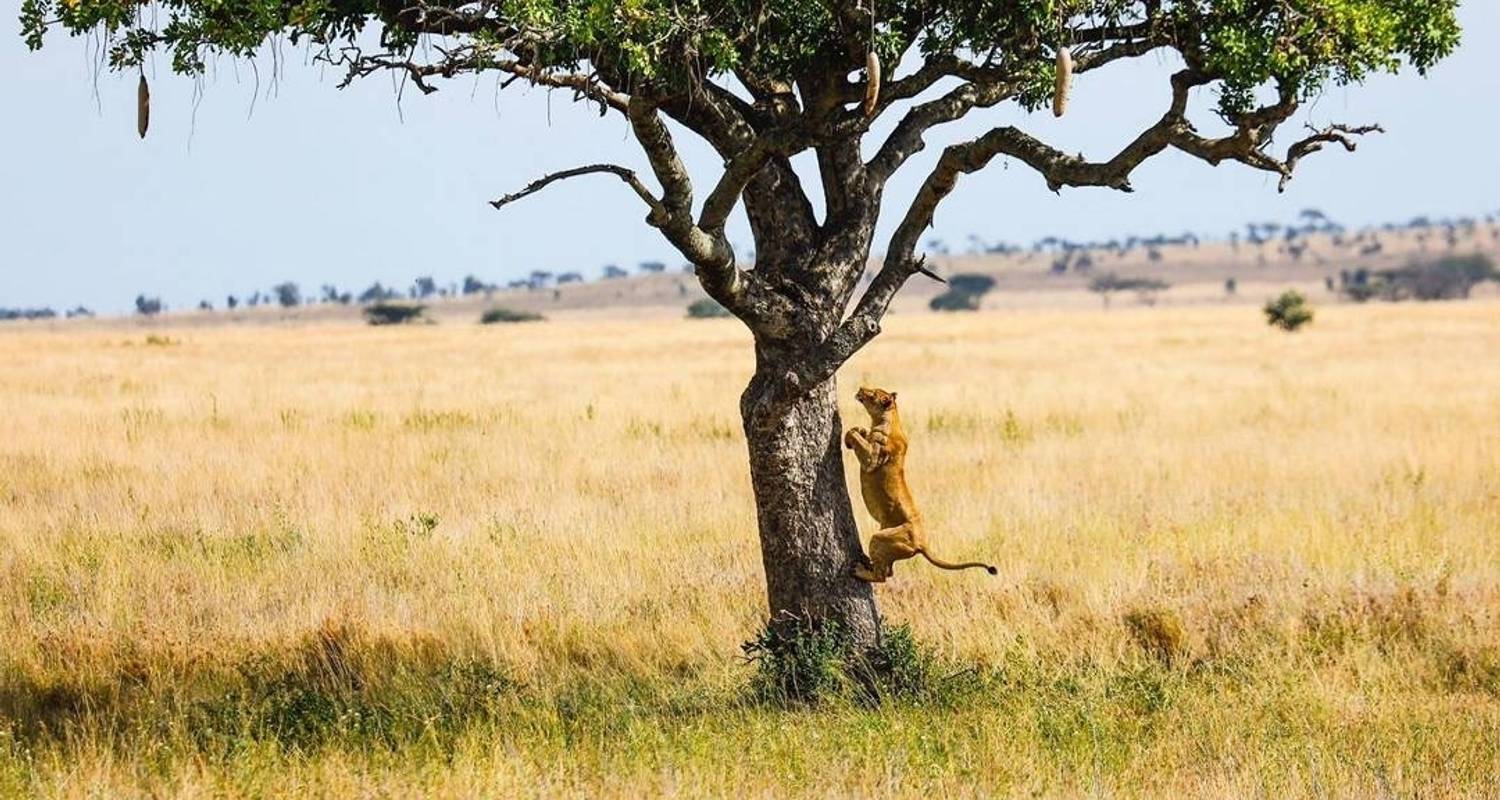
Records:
x=893, y=397
x=885, y=402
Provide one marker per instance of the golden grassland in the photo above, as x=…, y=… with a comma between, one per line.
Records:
x=457, y=560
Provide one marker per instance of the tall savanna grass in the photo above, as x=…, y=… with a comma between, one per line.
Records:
x=460, y=560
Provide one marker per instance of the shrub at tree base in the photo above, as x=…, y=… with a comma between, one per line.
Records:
x=706, y=308
x=394, y=313
x=1288, y=312
x=497, y=315
x=803, y=664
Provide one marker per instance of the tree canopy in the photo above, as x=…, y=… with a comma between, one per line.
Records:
x=1300, y=45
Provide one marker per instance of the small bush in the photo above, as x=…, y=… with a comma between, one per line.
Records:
x=706, y=308
x=808, y=665
x=498, y=315
x=386, y=313
x=954, y=300
x=1288, y=312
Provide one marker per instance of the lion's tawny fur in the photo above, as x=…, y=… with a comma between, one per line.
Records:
x=881, y=450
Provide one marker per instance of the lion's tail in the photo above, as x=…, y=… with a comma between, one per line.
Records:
x=941, y=564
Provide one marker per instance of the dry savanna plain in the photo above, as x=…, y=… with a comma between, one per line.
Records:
x=325, y=559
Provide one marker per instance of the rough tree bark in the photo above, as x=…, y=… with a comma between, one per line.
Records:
x=808, y=538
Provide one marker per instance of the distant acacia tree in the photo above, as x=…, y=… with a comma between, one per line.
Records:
x=148, y=306
x=765, y=82
x=376, y=293
x=653, y=267
x=288, y=294
x=964, y=293
x=473, y=285
x=331, y=294
x=1109, y=283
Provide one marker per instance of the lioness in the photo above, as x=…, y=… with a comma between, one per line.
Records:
x=882, y=480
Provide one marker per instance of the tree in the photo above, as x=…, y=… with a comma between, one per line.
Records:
x=964, y=293
x=148, y=306
x=288, y=294
x=1109, y=283
x=763, y=81
x=473, y=285
x=376, y=293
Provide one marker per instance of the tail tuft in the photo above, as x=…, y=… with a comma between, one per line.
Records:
x=992, y=570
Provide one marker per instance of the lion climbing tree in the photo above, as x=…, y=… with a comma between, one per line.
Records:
x=762, y=81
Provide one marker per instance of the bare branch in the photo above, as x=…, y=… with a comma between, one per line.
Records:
x=1253, y=132
x=626, y=175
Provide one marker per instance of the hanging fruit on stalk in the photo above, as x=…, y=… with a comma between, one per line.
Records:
x=142, y=107
x=1063, y=80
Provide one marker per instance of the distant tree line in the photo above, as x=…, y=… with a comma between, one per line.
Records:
x=1441, y=275
x=1446, y=278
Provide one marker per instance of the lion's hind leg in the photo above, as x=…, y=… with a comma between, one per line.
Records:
x=887, y=547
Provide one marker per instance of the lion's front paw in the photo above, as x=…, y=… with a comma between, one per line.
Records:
x=852, y=435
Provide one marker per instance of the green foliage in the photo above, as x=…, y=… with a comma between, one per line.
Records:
x=802, y=664
x=501, y=314
x=385, y=313
x=706, y=308
x=1288, y=312
x=1304, y=46
x=1298, y=46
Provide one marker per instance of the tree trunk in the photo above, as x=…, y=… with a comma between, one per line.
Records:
x=808, y=540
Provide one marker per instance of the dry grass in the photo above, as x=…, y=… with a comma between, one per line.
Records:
x=457, y=560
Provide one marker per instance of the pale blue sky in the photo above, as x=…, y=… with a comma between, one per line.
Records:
x=304, y=182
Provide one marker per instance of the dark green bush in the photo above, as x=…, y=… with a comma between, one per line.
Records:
x=799, y=664
x=387, y=313
x=971, y=283
x=706, y=308
x=954, y=300
x=497, y=315
x=1288, y=312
